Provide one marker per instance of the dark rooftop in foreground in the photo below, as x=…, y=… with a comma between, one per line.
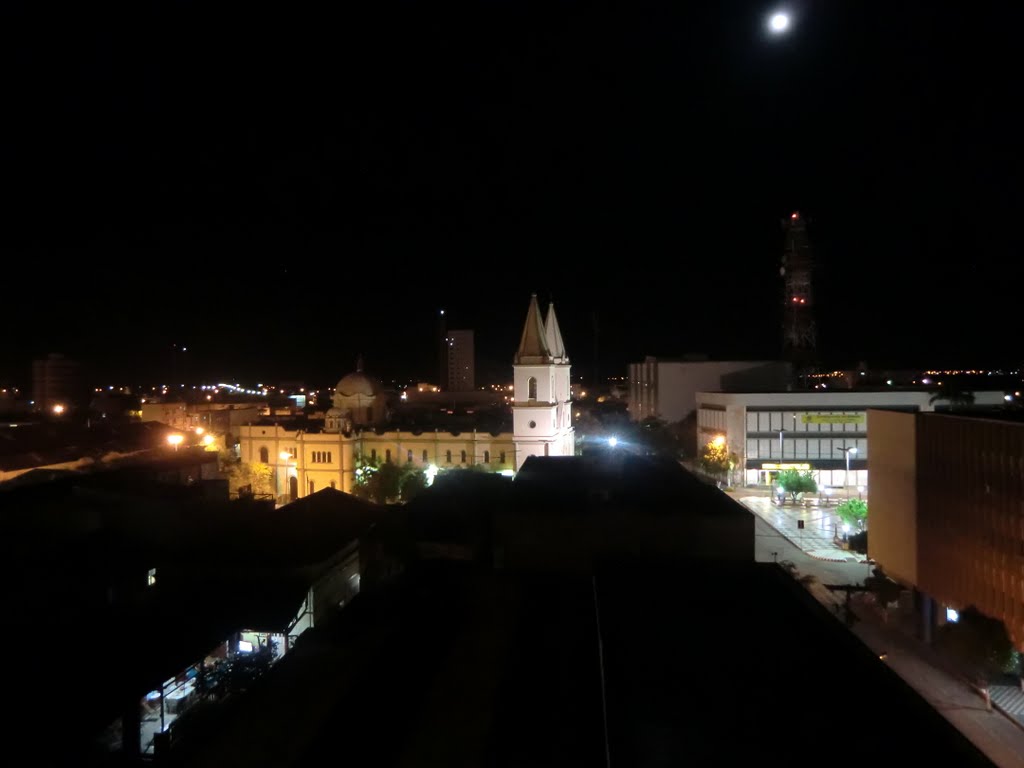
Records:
x=727, y=664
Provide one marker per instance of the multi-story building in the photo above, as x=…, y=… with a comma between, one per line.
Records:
x=461, y=370
x=945, y=514
x=57, y=383
x=818, y=430
x=666, y=389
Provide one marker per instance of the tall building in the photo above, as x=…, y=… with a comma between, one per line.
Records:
x=541, y=411
x=945, y=515
x=56, y=382
x=460, y=360
x=799, y=336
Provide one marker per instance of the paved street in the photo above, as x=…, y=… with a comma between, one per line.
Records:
x=998, y=735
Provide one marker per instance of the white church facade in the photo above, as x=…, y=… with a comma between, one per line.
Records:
x=305, y=461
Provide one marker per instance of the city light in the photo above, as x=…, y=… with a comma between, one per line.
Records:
x=612, y=442
x=175, y=440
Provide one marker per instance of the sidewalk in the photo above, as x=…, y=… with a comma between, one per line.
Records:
x=999, y=735
x=997, y=731
x=815, y=538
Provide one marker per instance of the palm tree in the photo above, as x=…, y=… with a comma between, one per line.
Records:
x=957, y=398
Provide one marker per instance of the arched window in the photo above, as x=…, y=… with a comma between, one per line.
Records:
x=424, y=456
x=501, y=457
x=373, y=454
x=408, y=456
x=531, y=388
x=487, y=457
x=463, y=457
x=387, y=456
x=264, y=455
x=448, y=457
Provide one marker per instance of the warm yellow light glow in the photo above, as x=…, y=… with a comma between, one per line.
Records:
x=719, y=441
x=199, y=430
x=175, y=440
x=208, y=439
x=58, y=409
x=285, y=456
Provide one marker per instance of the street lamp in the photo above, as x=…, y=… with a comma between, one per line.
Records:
x=175, y=440
x=285, y=457
x=847, y=451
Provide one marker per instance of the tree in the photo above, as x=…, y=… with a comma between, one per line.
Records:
x=853, y=512
x=245, y=477
x=794, y=482
x=981, y=642
x=656, y=438
x=414, y=483
x=715, y=458
x=956, y=397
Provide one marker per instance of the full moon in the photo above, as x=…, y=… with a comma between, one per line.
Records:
x=778, y=23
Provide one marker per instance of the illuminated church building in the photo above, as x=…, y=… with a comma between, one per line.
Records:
x=308, y=461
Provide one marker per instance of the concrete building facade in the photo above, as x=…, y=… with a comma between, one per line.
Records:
x=461, y=365
x=813, y=430
x=667, y=389
x=945, y=513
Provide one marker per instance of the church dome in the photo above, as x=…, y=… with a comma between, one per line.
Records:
x=357, y=383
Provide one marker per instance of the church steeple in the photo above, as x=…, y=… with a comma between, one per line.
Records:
x=553, y=336
x=533, y=344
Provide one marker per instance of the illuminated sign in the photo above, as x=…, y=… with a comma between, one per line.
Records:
x=833, y=418
x=785, y=466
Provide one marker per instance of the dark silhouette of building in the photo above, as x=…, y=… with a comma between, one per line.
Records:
x=625, y=651
x=56, y=383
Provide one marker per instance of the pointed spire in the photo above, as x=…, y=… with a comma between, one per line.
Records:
x=533, y=346
x=553, y=335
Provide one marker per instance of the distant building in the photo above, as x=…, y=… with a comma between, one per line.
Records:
x=56, y=383
x=814, y=429
x=945, y=515
x=666, y=389
x=307, y=458
x=461, y=367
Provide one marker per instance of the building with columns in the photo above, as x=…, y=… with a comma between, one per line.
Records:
x=306, y=459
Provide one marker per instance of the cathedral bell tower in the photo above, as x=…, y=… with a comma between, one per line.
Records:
x=541, y=410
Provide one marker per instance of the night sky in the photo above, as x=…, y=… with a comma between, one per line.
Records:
x=281, y=188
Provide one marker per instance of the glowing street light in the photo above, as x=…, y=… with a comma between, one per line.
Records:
x=847, y=451
x=58, y=409
x=719, y=441
x=175, y=440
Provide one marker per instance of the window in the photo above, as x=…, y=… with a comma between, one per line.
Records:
x=501, y=457
x=151, y=577
x=531, y=387
x=373, y=454
x=408, y=456
x=463, y=457
x=387, y=456
x=448, y=457
x=310, y=487
x=425, y=457
x=487, y=457
x=265, y=455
